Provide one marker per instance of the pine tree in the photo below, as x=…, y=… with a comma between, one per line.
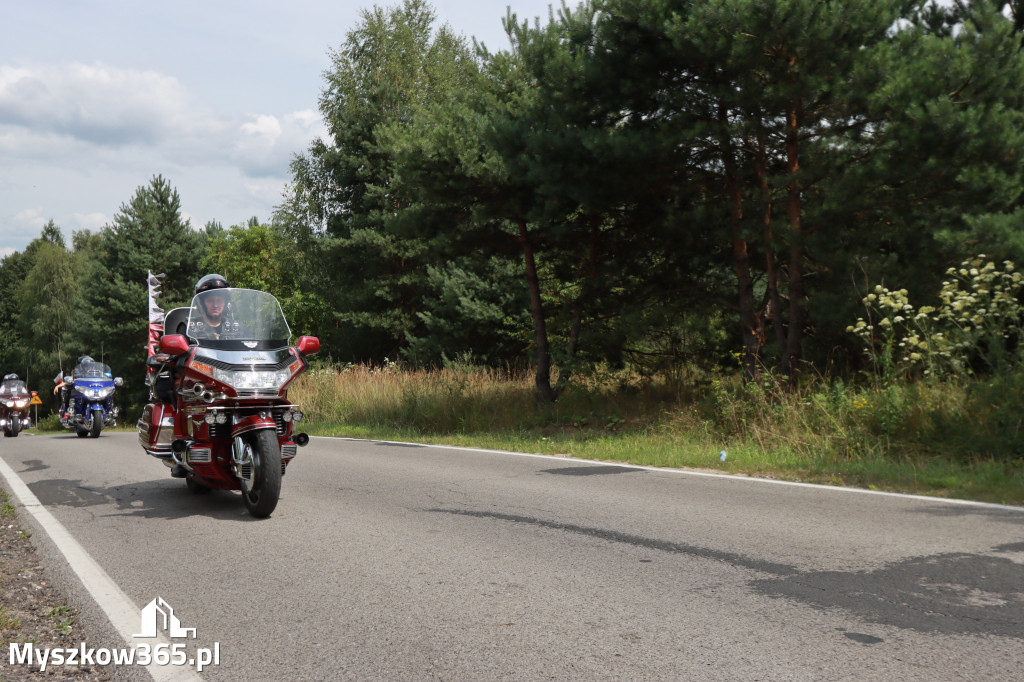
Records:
x=344, y=202
x=146, y=235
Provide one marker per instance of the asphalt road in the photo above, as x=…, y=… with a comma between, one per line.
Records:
x=400, y=562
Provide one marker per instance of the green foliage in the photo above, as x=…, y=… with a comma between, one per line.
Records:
x=389, y=67
x=50, y=423
x=37, y=298
x=13, y=269
x=264, y=257
x=643, y=189
x=50, y=303
x=475, y=312
x=146, y=235
x=7, y=621
x=6, y=508
x=62, y=617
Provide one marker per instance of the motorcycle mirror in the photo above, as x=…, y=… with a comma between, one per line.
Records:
x=308, y=345
x=118, y=381
x=174, y=344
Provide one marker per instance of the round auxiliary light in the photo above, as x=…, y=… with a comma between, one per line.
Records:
x=210, y=418
x=297, y=417
x=222, y=417
x=287, y=416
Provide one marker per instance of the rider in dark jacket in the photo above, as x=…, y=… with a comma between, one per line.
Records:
x=65, y=381
x=212, y=309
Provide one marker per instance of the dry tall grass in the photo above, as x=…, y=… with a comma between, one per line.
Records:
x=944, y=438
x=433, y=402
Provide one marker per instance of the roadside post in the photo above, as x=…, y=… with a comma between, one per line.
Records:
x=37, y=402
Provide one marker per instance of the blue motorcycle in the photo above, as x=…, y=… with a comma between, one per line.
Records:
x=91, y=400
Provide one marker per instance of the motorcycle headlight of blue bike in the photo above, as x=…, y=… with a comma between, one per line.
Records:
x=99, y=391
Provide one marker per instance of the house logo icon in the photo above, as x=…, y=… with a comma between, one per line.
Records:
x=158, y=616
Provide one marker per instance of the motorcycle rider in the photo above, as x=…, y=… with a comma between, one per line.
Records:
x=64, y=383
x=12, y=385
x=60, y=385
x=213, y=307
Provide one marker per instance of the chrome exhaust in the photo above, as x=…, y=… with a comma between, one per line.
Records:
x=178, y=449
x=200, y=391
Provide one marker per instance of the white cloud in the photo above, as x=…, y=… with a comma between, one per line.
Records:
x=89, y=221
x=30, y=218
x=83, y=138
x=98, y=104
x=267, y=191
x=77, y=109
x=24, y=226
x=266, y=144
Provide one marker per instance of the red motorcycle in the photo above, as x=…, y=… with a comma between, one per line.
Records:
x=14, y=401
x=220, y=415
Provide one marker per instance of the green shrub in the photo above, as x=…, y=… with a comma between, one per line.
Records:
x=50, y=422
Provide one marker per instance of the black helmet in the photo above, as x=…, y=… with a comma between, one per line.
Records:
x=211, y=281
x=11, y=377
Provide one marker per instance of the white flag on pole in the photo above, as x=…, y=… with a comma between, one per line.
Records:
x=156, y=313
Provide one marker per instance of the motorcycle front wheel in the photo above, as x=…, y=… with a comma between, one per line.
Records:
x=15, y=427
x=97, y=423
x=260, y=472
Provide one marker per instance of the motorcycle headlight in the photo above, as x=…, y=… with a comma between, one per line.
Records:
x=20, y=403
x=9, y=403
x=252, y=380
x=104, y=392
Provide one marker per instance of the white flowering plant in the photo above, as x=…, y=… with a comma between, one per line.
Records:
x=977, y=319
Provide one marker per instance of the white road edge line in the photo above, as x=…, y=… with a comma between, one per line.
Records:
x=691, y=472
x=123, y=614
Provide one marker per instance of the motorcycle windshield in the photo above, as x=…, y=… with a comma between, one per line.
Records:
x=93, y=371
x=13, y=387
x=237, y=319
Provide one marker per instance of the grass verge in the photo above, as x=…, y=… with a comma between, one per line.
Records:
x=947, y=440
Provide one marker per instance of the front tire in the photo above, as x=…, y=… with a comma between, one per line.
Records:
x=261, y=473
x=15, y=427
x=97, y=423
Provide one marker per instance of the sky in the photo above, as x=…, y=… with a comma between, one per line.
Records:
x=99, y=96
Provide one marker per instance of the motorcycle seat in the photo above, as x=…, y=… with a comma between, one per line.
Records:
x=175, y=321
